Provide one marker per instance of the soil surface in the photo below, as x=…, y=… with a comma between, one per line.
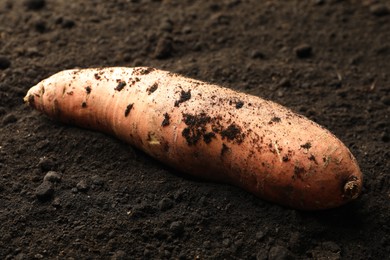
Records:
x=325, y=59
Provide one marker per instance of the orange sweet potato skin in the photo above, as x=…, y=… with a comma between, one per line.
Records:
x=208, y=131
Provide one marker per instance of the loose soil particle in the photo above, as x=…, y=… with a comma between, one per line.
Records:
x=142, y=209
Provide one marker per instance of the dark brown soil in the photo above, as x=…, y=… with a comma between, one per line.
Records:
x=326, y=59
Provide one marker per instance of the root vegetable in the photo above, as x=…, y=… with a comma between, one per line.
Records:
x=207, y=131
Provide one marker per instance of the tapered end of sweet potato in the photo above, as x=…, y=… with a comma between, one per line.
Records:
x=352, y=188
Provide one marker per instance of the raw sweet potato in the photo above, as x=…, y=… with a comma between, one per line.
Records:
x=207, y=131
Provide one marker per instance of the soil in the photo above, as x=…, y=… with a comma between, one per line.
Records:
x=325, y=59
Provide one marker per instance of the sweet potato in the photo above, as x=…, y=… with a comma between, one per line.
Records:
x=207, y=131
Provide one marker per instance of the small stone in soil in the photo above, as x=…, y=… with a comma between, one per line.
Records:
x=82, y=186
x=177, y=228
x=303, y=51
x=319, y=2
x=34, y=4
x=165, y=204
x=119, y=255
x=2, y=109
x=284, y=82
x=40, y=26
x=5, y=63
x=256, y=54
x=279, y=252
x=260, y=235
x=385, y=137
x=226, y=242
x=97, y=180
x=9, y=119
x=44, y=191
x=46, y=164
x=68, y=24
x=56, y=202
x=163, y=49
x=379, y=10
x=385, y=100
x=52, y=176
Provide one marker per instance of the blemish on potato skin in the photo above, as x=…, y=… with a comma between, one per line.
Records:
x=313, y=158
x=143, y=71
x=128, y=109
x=306, y=146
x=239, y=104
x=31, y=101
x=233, y=133
x=152, y=88
x=88, y=89
x=166, y=122
x=184, y=96
x=207, y=137
x=166, y=146
x=152, y=139
x=97, y=76
x=196, y=127
x=56, y=108
x=275, y=119
x=224, y=149
x=120, y=86
x=84, y=104
x=298, y=172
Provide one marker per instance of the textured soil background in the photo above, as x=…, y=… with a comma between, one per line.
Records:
x=326, y=59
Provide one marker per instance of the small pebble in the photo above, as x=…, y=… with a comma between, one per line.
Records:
x=385, y=137
x=31, y=52
x=44, y=191
x=279, y=253
x=318, y=2
x=67, y=24
x=40, y=26
x=256, y=54
x=187, y=29
x=147, y=252
x=331, y=246
x=165, y=204
x=163, y=48
x=119, y=255
x=166, y=26
x=226, y=242
x=303, y=51
x=177, y=228
x=56, y=202
x=284, y=82
x=2, y=110
x=21, y=256
x=385, y=100
x=96, y=180
x=82, y=186
x=260, y=235
x=52, y=176
x=9, y=119
x=46, y=164
x=5, y=63
x=207, y=244
x=379, y=10
x=34, y=4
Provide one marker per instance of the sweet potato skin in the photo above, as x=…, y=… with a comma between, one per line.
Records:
x=207, y=131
